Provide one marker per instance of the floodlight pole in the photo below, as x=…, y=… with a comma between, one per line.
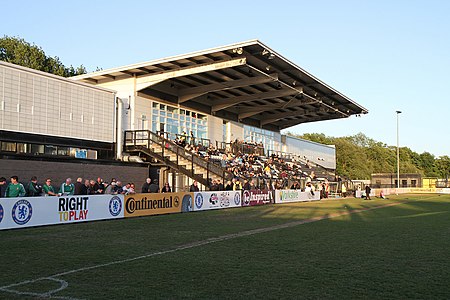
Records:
x=398, y=155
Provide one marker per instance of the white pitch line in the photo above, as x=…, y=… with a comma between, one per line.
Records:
x=181, y=247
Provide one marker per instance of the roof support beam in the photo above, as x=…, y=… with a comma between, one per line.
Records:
x=145, y=81
x=190, y=93
x=251, y=111
x=258, y=96
x=269, y=118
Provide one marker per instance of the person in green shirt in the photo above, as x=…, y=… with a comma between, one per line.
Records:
x=15, y=188
x=48, y=188
x=67, y=188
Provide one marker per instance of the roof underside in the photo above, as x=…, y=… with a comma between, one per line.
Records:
x=245, y=82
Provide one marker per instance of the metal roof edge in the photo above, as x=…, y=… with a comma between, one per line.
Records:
x=312, y=76
x=166, y=59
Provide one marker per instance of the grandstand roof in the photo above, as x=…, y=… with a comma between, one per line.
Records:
x=246, y=82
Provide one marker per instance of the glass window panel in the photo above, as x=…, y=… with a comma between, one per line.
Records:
x=50, y=150
x=23, y=148
x=64, y=151
x=37, y=149
x=7, y=146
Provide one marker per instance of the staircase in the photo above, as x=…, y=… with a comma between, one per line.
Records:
x=176, y=157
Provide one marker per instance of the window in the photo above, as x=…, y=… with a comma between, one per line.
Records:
x=50, y=150
x=23, y=148
x=404, y=183
x=413, y=183
x=9, y=147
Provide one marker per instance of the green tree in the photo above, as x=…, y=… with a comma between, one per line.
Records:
x=442, y=165
x=359, y=156
x=18, y=51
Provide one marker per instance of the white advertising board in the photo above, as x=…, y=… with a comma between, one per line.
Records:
x=36, y=211
x=285, y=196
x=217, y=200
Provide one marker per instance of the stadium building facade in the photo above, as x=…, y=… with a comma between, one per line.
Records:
x=122, y=120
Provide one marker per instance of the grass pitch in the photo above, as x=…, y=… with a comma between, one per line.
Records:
x=395, y=252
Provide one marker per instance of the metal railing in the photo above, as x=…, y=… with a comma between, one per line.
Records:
x=149, y=140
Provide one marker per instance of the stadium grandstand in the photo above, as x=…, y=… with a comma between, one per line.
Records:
x=209, y=116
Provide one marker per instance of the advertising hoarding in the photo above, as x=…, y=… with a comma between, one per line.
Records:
x=36, y=211
x=257, y=197
x=137, y=205
x=285, y=196
x=216, y=200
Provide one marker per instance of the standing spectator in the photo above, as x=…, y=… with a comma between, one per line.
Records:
x=166, y=188
x=48, y=188
x=3, y=187
x=80, y=188
x=98, y=186
x=132, y=189
x=15, y=188
x=213, y=186
x=194, y=187
x=67, y=188
x=110, y=188
x=296, y=186
x=229, y=186
x=246, y=186
x=154, y=187
x=127, y=189
x=146, y=186
x=118, y=188
x=237, y=186
x=87, y=185
x=33, y=188
x=368, y=189
x=220, y=185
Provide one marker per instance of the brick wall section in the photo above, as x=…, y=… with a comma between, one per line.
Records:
x=59, y=171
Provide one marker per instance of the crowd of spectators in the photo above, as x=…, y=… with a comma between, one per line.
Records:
x=80, y=187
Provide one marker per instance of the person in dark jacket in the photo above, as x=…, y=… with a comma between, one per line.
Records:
x=368, y=189
x=146, y=186
x=166, y=188
x=3, y=186
x=153, y=187
x=194, y=187
x=80, y=188
x=34, y=189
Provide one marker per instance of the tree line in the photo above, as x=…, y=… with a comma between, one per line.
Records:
x=20, y=52
x=358, y=156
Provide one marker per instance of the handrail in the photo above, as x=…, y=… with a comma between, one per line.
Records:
x=146, y=138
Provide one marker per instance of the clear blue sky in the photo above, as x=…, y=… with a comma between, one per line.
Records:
x=385, y=55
